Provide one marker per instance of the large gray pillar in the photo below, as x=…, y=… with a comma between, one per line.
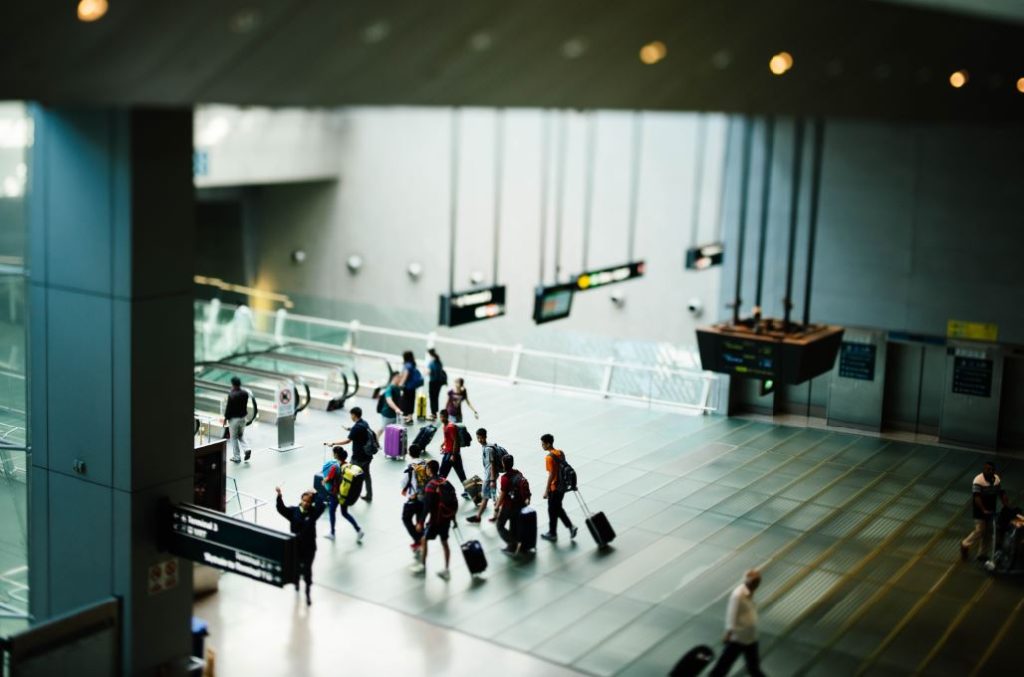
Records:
x=110, y=272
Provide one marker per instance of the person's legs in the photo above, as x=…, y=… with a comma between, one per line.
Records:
x=332, y=505
x=446, y=465
x=973, y=537
x=753, y=661
x=459, y=469
x=410, y=511
x=351, y=520
x=435, y=392
x=554, y=508
x=985, y=549
x=447, y=552
x=506, y=516
x=237, y=427
x=306, y=566
x=367, y=479
x=729, y=655
x=233, y=440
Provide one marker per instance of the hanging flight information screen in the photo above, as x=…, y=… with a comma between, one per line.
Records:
x=552, y=303
x=471, y=306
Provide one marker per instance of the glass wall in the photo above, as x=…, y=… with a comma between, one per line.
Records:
x=15, y=147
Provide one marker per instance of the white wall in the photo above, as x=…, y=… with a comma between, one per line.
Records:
x=391, y=206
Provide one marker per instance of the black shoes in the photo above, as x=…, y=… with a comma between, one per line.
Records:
x=248, y=454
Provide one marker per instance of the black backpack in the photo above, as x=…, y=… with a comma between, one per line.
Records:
x=519, y=489
x=447, y=500
x=566, y=474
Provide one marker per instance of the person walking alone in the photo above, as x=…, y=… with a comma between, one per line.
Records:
x=986, y=489
x=302, y=521
x=456, y=397
x=437, y=380
x=741, y=629
x=553, y=492
x=490, y=455
x=451, y=451
x=235, y=410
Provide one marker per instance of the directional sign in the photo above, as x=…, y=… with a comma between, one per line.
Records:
x=604, y=276
x=705, y=256
x=211, y=538
x=472, y=306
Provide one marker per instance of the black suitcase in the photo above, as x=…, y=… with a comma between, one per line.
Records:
x=476, y=560
x=693, y=662
x=526, y=533
x=424, y=437
x=598, y=524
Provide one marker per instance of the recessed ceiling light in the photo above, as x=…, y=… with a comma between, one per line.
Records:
x=653, y=52
x=244, y=21
x=481, y=41
x=722, y=59
x=833, y=68
x=376, y=32
x=958, y=79
x=883, y=71
x=780, y=63
x=574, y=48
x=1020, y=85
x=91, y=10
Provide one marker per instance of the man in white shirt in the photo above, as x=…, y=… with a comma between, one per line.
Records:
x=986, y=490
x=741, y=628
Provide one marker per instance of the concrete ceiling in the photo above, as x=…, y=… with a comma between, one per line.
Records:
x=852, y=57
x=1002, y=10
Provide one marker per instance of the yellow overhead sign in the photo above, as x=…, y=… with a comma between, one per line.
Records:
x=973, y=331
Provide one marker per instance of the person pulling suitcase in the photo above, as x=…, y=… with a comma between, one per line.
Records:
x=554, y=491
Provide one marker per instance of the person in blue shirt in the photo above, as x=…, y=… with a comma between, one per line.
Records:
x=437, y=380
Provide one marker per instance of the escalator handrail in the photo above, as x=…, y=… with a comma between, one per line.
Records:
x=308, y=397
x=355, y=388
x=312, y=345
x=296, y=379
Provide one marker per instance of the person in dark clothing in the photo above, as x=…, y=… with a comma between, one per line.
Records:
x=414, y=482
x=511, y=500
x=362, y=452
x=411, y=380
x=437, y=380
x=553, y=492
x=235, y=410
x=302, y=519
x=438, y=521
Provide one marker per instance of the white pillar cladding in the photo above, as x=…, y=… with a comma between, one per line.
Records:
x=110, y=271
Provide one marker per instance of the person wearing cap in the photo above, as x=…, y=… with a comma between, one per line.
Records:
x=741, y=628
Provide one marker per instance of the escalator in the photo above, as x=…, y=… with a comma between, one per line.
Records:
x=210, y=398
x=263, y=383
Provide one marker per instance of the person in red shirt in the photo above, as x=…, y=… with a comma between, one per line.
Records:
x=512, y=498
x=451, y=452
x=436, y=522
x=553, y=492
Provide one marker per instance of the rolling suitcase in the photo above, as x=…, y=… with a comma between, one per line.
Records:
x=693, y=662
x=421, y=408
x=597, y=523
x=424, y=437
x=394, y=441
x=465, y=439
x=526, y=532
x=474, y=487
x=473, y=553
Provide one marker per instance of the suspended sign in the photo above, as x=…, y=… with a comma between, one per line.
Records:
x=552, y=303
x=226, y=543
x=605, y=276
x=472, y=306
x=706, y=256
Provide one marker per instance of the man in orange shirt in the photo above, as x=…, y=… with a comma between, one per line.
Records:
x=552, y=491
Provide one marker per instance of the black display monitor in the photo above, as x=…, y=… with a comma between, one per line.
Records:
x=471, y=306
x=552, y=303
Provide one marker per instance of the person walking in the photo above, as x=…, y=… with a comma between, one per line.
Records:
x=364, y=446
x=235, y=410
x=334, y=476
x=302, y=521
x=388, y=403
x=410, y=379
x=491, y=455
x=456, y=397
x=514, y=495
x=986, y=490
x=741, y=629
x=440, y=505
x=553, y=492
x=451, y=451
x=414, y=482
x=436, y=380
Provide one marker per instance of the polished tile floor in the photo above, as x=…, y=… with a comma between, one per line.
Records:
x=856, y=537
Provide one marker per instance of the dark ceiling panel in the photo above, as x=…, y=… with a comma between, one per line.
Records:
x=852, y=57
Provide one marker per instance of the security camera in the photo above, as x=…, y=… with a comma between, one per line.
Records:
x=354, y=263
x=617, y=298
x=695, y=307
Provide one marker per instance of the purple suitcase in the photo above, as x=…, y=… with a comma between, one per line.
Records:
x=394, y=441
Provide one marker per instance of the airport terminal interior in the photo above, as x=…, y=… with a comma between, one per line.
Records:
x=736, y=283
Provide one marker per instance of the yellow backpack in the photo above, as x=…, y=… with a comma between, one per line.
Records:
x=351, y=484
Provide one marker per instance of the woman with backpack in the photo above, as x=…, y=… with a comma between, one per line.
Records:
x=411, y=379
x=456, y=397
x=342, y=487
x=437, y=379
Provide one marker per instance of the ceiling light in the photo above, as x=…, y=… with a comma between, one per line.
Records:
x=244, y=21
x=481, y=42
x=958, y=79
x=354, y=263
x=722, y=59
x=376, y=32
x=574, y=48
x=415, y=270
x=780, y=63
x=653, y=52
x=91, y=10
x=1020, y=85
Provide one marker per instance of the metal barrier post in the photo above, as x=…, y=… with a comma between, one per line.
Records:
x=606, y=385
x=517, y=353
x=353, y=327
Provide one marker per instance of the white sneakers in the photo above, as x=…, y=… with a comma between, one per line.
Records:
x=444, y=575
x=418, y=568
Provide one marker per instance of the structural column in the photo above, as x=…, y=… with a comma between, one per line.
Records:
x=110, y=273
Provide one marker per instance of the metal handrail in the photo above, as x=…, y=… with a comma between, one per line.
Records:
x=237, y=495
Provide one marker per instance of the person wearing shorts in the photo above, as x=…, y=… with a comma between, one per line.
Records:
x=437, y=525
x=489, y=490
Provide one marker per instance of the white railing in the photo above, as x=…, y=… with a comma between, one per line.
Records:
x=246, y=502
x=686, y=389
x=14, y=593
